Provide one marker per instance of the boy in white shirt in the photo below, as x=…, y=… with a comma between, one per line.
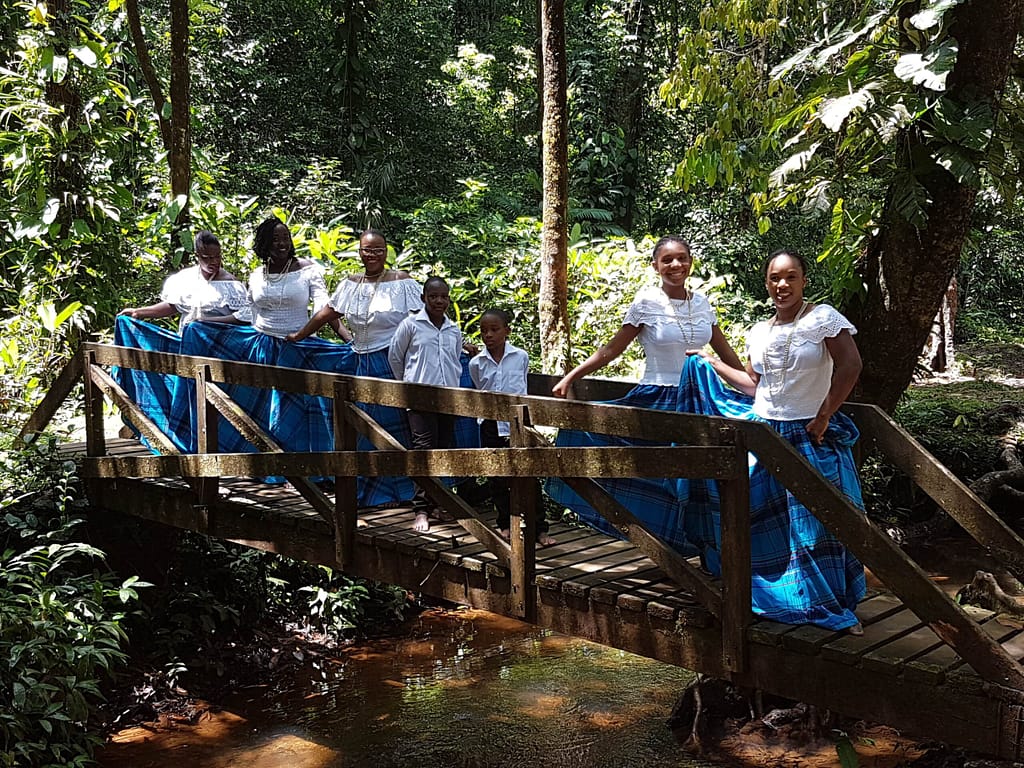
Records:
x=425, y=350
x=501, y=367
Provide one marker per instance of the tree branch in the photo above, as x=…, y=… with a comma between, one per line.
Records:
x=148, y=71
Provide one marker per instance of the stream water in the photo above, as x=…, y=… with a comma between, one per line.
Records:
x=463, y=689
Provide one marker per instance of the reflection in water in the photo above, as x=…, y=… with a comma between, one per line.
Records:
x=464, y=689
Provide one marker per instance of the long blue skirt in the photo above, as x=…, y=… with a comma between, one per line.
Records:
x=801, y=573
x=154, y=393
x=651, y=500
x=386, y=490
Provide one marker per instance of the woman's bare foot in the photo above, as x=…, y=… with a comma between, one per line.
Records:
x=504, y=533
x=421, y=524
x=544, y=540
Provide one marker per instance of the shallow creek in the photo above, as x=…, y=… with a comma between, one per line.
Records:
x=466, y=689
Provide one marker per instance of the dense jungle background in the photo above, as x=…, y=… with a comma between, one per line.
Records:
x=883, y=141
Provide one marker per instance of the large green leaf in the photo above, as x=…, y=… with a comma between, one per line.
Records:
x=929, y=68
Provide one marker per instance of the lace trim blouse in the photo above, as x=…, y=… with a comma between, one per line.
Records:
x=794, y=364
x=194, y=296
x=280, y=302
x=373, y=310
x=669, y=327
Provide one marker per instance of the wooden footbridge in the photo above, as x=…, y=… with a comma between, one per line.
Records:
x=924, y=664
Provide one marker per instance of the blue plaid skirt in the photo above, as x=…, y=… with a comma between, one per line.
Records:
x=651, y=500
x=801, y=573
x=154, y=393
x=385, y=490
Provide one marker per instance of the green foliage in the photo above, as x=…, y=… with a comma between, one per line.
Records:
x=339, y=605
x=61, y=616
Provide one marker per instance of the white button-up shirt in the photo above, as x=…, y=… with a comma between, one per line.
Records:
x=507, y=375
x=422, y=353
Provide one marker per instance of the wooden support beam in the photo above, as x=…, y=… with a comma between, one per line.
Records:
x=885, y=559
x=524, y=505
x=671, y=562
x=95, y=441
x=206, y=434
x=52, y=400
x=256, y=435
x=103, y=383
x=464, y=514
x=346, y=491
x=947, y=490
x=736, y=577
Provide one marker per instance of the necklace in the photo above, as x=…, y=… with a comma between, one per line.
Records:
x=777, y=383
x=276, y=277
x=687, y=332
x=362, y=337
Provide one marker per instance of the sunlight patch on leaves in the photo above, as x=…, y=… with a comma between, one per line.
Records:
x=930, y=68
x=833, y=112
x=796, y=162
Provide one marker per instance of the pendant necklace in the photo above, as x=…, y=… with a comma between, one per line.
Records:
x=687, y=332
x=776, y=384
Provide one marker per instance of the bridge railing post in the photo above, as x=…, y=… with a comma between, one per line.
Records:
x=206, y=434
x=524, y=503
x=736, y=576
x=346, y=494
x=95, y=442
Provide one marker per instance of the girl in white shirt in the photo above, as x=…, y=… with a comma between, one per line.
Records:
x=802, y=364
x=668, y=320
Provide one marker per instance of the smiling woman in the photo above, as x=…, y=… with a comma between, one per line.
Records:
x=669, y=320
x=802, y=364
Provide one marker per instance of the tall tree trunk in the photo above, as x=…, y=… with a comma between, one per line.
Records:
x=181, y=118
x=908, y=268
x=67, y=163
x=627, y=108
x=553, y=303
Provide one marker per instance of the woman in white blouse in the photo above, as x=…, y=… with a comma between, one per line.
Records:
x=200, y=292
x=802, y=364
x=282, y=289
x=669, y=320
x=373, y=302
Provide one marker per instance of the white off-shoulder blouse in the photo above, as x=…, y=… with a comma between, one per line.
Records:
x=373, y=310
x=280, y=302
x=669, y=327
x=794, y=364
x=195, y=297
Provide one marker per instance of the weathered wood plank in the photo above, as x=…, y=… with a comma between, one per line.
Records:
x=52, y=400
x=106, y=384
x=644, y=423
x=736, y=576
x=346, y=487
x=946, y=489
x=670, y=561
x=848, y=648
x=547, y=461
x=435, y=490
x=524, y=508
x=255, y=434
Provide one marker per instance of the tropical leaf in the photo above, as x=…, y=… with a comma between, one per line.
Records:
x=833, y=112
x=929, y=68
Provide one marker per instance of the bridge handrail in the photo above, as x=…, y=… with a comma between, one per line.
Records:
x=833, y=509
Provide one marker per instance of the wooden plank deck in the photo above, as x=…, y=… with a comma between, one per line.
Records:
x=594, y=586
